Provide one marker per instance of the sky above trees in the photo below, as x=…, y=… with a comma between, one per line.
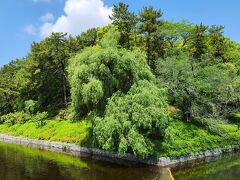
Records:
x=26, y=21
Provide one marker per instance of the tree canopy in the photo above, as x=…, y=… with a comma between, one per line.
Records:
x=131, y=78
x=94, y=77
x=133, y=120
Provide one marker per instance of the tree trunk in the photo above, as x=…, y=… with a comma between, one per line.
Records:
x=64, y=91
x=64, y=84
x=148, y=51
x=186, y=109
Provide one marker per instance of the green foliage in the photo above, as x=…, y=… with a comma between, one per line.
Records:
x=126, y=22
x=131, y=121
x=235, y=118
x=14, y=118
x=218, y=89
x=21, y=118
x=177, y=75
x=150, y=28
x=199, y=41
x=96, y=73
x=31, y=106
x=92, y=92
x=184, y=138
x=198, y=89
x=110, y=38
x=215, y=126
x=89, y=38
x=39, y=119
x=218, y=42
x=108, y=72
x=176, y=37
x=65, y=114
x=48, y=71
x=64, y=131
x=13, y=81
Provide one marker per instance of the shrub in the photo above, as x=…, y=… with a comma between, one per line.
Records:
x=9, y=119
x=65, y=114
x=31, y=106
x=234, y=118
x=40, y=118
x=15, y=118
x=1, y=120
x=133, y=120
x=215, y=126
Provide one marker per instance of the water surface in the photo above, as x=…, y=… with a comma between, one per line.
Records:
x=26, y=163
x=226, y=167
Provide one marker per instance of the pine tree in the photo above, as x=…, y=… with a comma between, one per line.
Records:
x=217, y=42
x=199, y=41
x=150, y=28
x=125, y=21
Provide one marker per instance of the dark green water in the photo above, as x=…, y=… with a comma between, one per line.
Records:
x=223, y=168
x=24, y=163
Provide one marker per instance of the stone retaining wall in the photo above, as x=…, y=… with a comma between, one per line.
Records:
x=128, y=159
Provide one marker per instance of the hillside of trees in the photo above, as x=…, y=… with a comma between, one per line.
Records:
x=141, y=83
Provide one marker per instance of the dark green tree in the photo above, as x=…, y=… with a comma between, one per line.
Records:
x=60, y=56
x=89, y=38
x=126, y=23
x=48, y=70
x=14, y=80
x=218, y=42
x=150, y=28
x=177, y=37
x=200, y=91
x=74, y=44
x=199, y=41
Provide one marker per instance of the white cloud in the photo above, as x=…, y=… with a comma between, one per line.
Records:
x=47, y=17
x=37, y=1
x=30, y=29
x=80, y=15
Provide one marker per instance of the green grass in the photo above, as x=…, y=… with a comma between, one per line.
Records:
x=184, y=138
x=63, y=131
x=181, y=138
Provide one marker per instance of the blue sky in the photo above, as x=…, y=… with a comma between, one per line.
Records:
x=25, y=21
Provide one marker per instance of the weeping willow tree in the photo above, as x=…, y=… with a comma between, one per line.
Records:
x=134, y=120
x=99, y=71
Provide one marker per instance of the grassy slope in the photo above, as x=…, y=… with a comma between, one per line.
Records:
x=183, y=138
x=64, y=131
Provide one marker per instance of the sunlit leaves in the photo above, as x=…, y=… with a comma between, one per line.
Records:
x=131, y=121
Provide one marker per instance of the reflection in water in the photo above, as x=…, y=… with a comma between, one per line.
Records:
x=225, y=168
x=25, y=163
